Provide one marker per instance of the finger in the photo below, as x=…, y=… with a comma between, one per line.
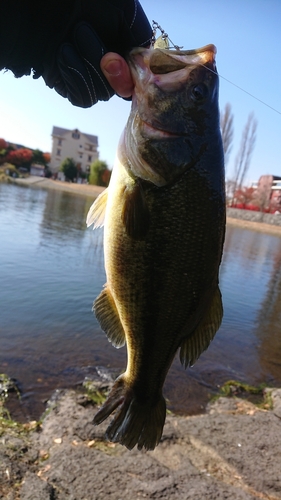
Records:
x=117, y=73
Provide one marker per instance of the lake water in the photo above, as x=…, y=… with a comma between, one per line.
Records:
x=51, y=269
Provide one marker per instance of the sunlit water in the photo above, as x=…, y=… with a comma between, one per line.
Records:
x=51, y=269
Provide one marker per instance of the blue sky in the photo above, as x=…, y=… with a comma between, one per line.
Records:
x=248, y=38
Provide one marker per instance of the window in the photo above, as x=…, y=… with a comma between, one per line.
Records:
x=75, y=134
x=59, y=142
x=80, y=155
x=58, y=152
x=90, y=158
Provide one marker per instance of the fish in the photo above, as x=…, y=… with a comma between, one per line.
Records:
x=164, y=223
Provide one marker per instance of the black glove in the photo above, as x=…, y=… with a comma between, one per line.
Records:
x=64, y=41
x=77, y=74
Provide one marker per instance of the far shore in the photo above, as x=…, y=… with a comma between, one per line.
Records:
x=261, y=227
x=94, y=191
x=72, y=187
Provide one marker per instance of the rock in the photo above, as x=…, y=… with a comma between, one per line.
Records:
x=229, y=452
x=34, y=488
x=276, y=400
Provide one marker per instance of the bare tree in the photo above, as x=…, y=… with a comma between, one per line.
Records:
x=226, y=123
x=247, y=145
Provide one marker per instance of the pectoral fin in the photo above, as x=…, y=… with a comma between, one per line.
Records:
x=135, y=214
x=97, y=211
x=106, y=313
x=193, y=346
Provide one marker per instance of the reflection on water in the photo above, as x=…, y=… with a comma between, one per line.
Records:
x=52, y=269
x=268, y=322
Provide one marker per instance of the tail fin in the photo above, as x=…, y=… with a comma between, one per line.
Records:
x=134, y=423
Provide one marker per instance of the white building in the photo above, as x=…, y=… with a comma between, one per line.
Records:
x=36, y=169
x=82, y=148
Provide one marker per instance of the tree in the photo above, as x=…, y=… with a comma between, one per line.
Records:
x=247, y=145
x=69, y=168
x=244, y=154
x=99, y=173
x=3, y=144
x=262, y=200
x=244, y=195
x=3, y=150
x=47, y=158
x=40, y=157
x=226, y=123
x=19, y=157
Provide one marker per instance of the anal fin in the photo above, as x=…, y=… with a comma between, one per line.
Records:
x=106, y=313
x=193, y=346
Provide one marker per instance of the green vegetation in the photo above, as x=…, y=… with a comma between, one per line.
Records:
x=99, y=173
x=69, y=168
x=95, y=395
x=6, y=422
x=8, y=170
x=21, y=156
x=256, y=395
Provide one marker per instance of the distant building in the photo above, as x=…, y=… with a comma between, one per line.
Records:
x=268, y=192
x=83, y=148
x=36, y=169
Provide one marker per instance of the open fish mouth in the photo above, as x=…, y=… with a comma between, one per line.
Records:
x=168, y=84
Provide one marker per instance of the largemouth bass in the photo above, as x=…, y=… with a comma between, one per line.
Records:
x=164, y=223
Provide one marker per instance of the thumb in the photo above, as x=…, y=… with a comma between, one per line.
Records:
x=117, y=73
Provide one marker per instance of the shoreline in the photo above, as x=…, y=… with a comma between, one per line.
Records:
x=71, y=187
x=261, y=227
x=231, y=451
x=94, y=191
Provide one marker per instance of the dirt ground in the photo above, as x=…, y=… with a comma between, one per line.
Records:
x=231, y=452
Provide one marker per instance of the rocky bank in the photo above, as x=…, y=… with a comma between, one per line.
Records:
x=233, y=451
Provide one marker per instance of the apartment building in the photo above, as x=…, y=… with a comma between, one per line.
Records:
x=268, y=192
x=83, y=148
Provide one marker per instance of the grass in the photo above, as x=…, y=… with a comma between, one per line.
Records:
x=256, y=395
x=6, y=422
x=95, y=395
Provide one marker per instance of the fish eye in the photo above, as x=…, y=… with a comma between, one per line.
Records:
x=199, y=92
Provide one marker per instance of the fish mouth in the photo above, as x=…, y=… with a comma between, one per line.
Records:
x=154, y=132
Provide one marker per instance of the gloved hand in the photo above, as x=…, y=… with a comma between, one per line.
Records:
x=76, y=72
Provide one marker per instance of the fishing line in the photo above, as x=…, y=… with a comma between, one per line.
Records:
x=165, y=45
x=243, y=90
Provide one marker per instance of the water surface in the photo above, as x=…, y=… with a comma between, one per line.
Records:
x=51, y=269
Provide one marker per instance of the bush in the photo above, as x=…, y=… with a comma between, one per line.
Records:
x=3, y=144
x=99, y=173
x=69, y=168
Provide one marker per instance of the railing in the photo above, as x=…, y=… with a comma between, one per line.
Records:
x=276, y=185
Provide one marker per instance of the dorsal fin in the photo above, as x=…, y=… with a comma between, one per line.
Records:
x=106, y=313
x=96, y=213
x=135, y=213
x=193, y=346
